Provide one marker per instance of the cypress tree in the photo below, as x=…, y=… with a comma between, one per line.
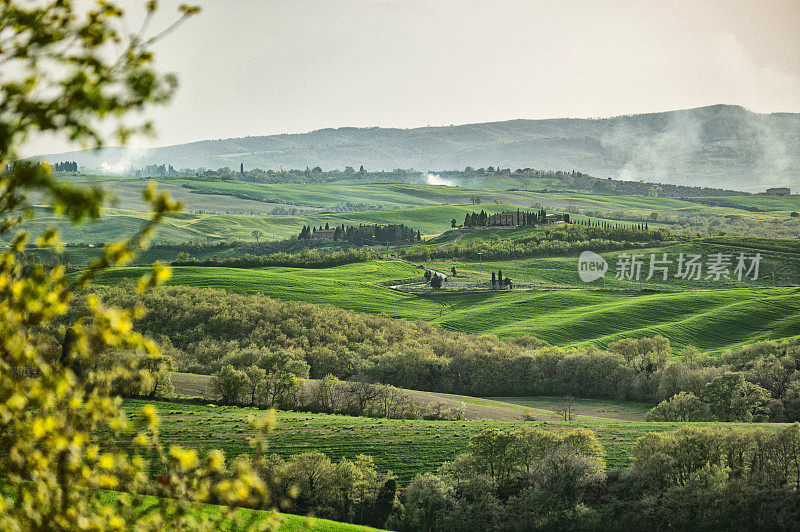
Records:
x=384, y=503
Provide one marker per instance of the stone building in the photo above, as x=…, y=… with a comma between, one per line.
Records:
x=778, y=191
x=323, y=234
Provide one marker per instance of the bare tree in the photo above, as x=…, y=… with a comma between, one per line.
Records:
x=566, y=411
x=360, y=393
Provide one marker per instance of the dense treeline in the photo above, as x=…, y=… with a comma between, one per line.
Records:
x=520, y=218
x=562, y=240
x=202, y=328
x=570, y=180
x=307, y=258
x=578, y=181
x=510, y=480
x=65, y=166
x=357, y=235
x=318, y=175
x=703, y=224
x=269, y=380
x=532, y=479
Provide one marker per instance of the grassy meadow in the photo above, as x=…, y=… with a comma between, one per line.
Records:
x=711, y=320
x=188, y=226
x=406, y=447
x=219, y=210
x=779, y=266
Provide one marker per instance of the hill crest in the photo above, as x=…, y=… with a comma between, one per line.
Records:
x=720, y=145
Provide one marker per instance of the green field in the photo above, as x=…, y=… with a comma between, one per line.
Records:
x=325, y=196
x=406, y=447
x=711, y=320
x=240, y=196
x=189, y=385
x=289, y=522
x=119, y=223
x=81, y=255
x=233, y=209
x=585, y=408
x=779, y=266
x=230, y=196
x=352, y=286
x=756, y=203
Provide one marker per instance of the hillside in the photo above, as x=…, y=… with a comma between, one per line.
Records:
x=721, y=145
x=473, y=408
x=711, y=320
x=406, y=447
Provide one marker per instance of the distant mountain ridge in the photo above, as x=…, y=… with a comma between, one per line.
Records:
x=718, y=146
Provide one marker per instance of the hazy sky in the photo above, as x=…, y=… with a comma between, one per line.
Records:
x=257, y=67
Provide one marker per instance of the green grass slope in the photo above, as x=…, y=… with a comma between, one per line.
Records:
x=406, y=447
x=351, y=286
x=779, y=266
x=119, y=223
x=710, y=320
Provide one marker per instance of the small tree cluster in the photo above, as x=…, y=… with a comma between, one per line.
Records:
x=351, y=491
x=264, y=380
x=65, y=166
x=360, y=397
x=510, y=480
x=728, y=397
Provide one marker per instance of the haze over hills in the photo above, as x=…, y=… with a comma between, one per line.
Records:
x=718, y=146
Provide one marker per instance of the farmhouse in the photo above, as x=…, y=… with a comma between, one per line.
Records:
x=516, y=218
x=779, y=191
x=506, y=218
x=323, y=234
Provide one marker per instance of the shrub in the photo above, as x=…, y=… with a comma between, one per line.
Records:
x=683, y=406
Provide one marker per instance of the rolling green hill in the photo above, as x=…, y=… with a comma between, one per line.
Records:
x=779, y=266
x=406, y=447
x=289, y=522
x=710, y=320
x=119, y=223
x=233, y=209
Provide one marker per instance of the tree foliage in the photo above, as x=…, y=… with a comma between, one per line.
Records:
x=60, y=77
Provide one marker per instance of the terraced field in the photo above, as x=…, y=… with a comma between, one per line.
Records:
x=711, y=320
x=407, y=447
